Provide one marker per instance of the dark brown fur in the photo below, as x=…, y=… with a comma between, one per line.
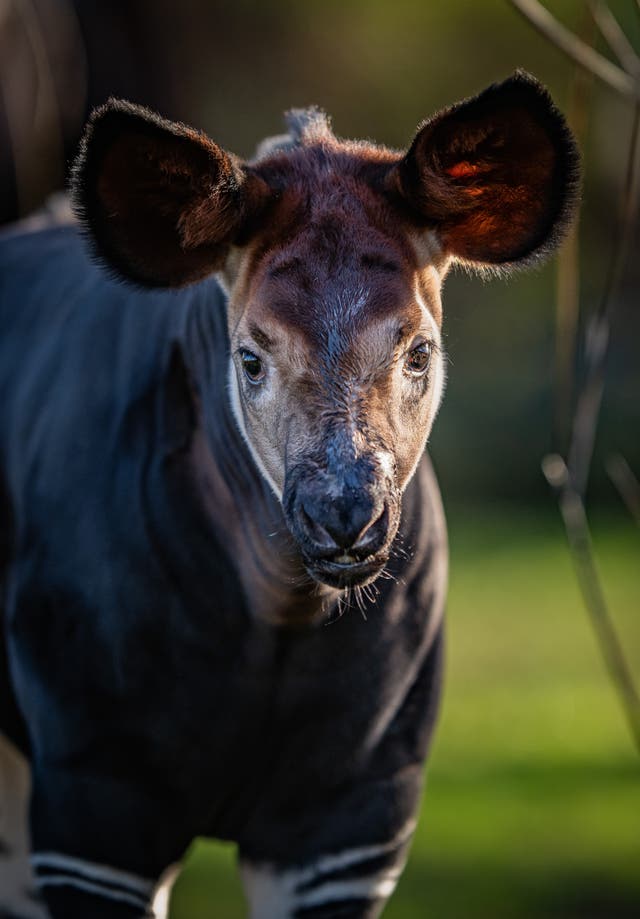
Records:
x=495, y=177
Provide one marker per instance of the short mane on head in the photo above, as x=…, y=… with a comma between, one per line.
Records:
x=307, y=125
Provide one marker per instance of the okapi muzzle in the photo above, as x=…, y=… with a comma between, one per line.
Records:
x=343, y=510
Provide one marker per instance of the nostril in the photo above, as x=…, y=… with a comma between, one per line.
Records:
x=316, y=532
x=337, y=525
x=372, y=530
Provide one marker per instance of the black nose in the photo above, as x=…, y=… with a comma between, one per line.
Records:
x=341, y=523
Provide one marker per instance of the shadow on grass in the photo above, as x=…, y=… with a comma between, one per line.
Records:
x=594, y=778
x=462, y=891
x=210, y=887
x=526, y=841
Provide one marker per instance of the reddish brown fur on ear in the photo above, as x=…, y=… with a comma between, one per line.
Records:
x=162, y=202
x=497, y=176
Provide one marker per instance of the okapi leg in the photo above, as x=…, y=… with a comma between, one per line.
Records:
x=100, y=845
x=352, y=883
x=71, y=903
x=76, y=888
x=342, y=858
x=18, y=895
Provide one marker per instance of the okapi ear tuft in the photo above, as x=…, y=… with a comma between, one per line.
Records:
x=497, y=176
x=162, y=202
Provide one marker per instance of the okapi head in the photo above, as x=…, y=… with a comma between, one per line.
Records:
x=333, y=254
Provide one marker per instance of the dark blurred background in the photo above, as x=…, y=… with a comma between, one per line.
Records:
x=534, y=802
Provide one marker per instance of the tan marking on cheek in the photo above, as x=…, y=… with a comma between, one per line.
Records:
x=379, y=409
x=409, y=444
x=283, y=427
x=401, y=418
x=247, y=429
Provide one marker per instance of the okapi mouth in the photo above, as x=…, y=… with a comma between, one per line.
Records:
x=342, y=574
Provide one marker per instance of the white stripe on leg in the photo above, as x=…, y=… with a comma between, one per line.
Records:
x=56, y=869
x=276, y=894
x=162, y=895
x=45, y=862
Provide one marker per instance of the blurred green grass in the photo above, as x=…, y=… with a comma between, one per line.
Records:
x=532, y=807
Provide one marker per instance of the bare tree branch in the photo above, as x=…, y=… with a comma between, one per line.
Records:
x=570, y=479
x=615, y=37
x=590, y=396
x=579, y=537
x=568, y=273
x=563, y=39
x=571, y=482
x=627, y=484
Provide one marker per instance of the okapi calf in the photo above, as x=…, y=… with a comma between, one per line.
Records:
x=196, y=482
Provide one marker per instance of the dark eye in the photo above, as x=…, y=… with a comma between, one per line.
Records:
x=418, y=359
x=252, y=366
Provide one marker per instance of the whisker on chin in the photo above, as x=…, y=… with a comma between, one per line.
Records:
x=399, y=551
x=359, y=594
x=303, y=580
x=340, y=608
x=371, y=592
x=387, y=575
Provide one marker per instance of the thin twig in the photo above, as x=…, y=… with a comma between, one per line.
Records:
x=615, y=37
x=570, y=480
x=568, y=274
x=579, y=537
x=563, y=39
x=590, y=397
x=628, y=486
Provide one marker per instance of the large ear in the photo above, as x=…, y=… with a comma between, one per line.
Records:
x=161, y=201
x=496, y=176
